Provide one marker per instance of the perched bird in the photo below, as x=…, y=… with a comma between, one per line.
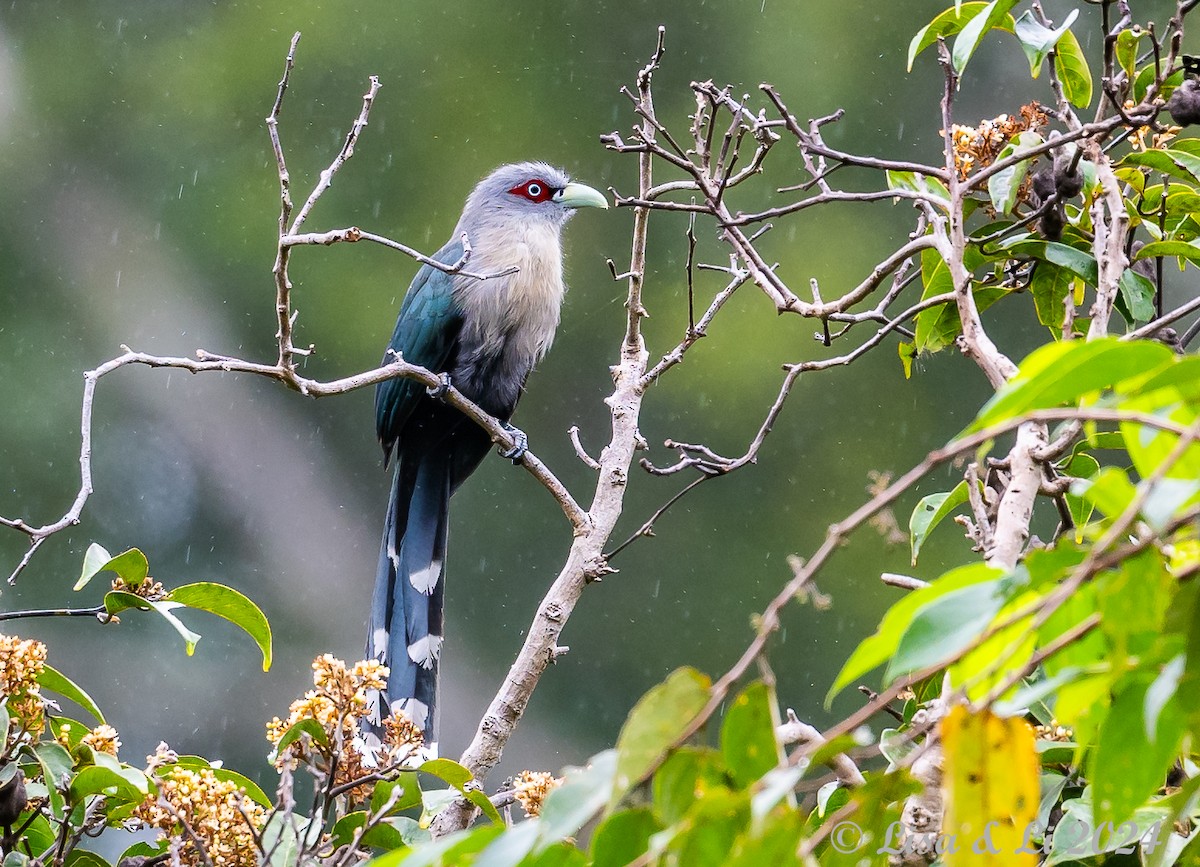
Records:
x=484, y=336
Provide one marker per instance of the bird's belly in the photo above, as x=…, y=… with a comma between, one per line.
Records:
x=492, y=380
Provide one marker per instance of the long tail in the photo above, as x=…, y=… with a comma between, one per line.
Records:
x=405, y=630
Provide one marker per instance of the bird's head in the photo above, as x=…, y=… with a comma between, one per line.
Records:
x=532, y=192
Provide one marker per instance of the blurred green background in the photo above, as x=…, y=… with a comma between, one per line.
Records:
x=139, y=206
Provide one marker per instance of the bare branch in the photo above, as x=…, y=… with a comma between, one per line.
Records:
x=353, y=234
x=309, y=387
x=904, y=582
x=795, y=731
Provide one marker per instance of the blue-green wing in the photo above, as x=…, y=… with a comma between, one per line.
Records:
x=426, y=334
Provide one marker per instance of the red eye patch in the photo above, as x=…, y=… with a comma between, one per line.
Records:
x=535, y=190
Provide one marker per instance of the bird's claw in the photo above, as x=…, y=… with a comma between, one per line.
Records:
x=519, y=447
x=438, y=392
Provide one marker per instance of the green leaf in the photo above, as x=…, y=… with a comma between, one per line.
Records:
x=1147, y=76
x=1135, y=300
x=460, y=778
x=452, y=849
x=284, y=834
x=448, y=771
x=1171, y=161
x=1109, y=490
x=931, y=188
x=562, y=854
x=1000, y=652
x=1050, y=286
x=39, y=836
x=686, y=771
x=1150, y=447
x=945, y=626
x=654, y=725
x=776, y=785
x=124, y=784
x=131, y=565
x=1032, y=694
x=410, y=793
x=876, y=649
x=56, y=765
x=190, y=638
x=308, y=726
x=938, y=326
x=233, y=606
x=1081, y=466
x=714, y=824
x=55, y=681
x=623, y=837
x=1087, y=655
x=1072, y=68
x=775, y=842
x=582, y=795
x=947, y=23
x=116, y=601
x=930, y=512
x=1189, y=250
x=1128, y=766
x=381, y=836
x=94, y=561
x=1127, y=51
x=1160, y=692
x=344, y=829
x=515, y=846
x=907, y=353
x=748, y=735
x=1065, y=372
x=1005, y=185
x=1168, y=386
x=1037, y=40
x=84, y=858
x=1080, y=263
x=993, y=15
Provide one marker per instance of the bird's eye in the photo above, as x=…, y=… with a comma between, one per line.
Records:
x=536, y=191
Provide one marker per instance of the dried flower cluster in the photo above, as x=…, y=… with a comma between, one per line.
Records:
x=1146, y=138
x=147, y=589
x=338, y=703
x=21, y=664
x=884, y=522
x=211, y=820
x=530, y=788
x=977, y=147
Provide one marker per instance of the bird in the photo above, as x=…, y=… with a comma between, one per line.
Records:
x=482, y=333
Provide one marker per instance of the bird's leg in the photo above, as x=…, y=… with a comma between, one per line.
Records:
x=438, y=392
x=520, y=444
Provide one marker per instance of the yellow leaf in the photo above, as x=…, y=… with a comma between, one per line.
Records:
x=990, y=789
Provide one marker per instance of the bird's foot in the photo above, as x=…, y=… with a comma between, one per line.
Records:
x=520, y=444
x=438, y=392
